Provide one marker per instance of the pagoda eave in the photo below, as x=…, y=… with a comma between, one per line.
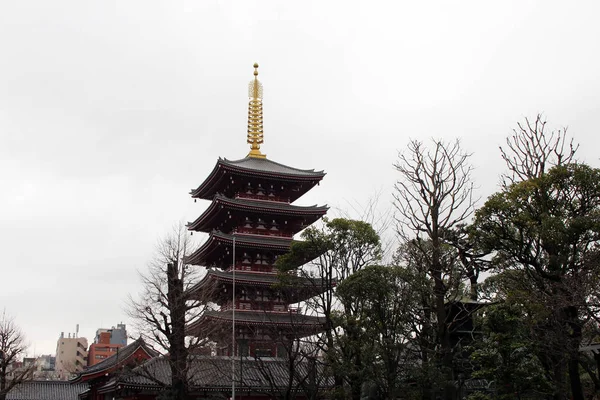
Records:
x=302, y=287
x=222, y=204
x=218, y=241
x=212, y=321
x=253, y=167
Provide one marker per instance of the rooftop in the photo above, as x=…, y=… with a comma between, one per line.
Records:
x=46, y=390
x=299, y=284
x=202, y=255
x=214, y=374
x=123, y=354
x=212, y=321
x=264, y=165
x=204, y=221
x=258, y=167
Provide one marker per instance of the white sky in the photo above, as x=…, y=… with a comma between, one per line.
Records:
x=111, y=111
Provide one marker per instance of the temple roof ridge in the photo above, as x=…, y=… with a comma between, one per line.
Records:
x=122, y=355
x=265, y=161
x=257, y=167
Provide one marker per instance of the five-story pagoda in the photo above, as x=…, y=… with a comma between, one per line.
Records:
x=251, y=221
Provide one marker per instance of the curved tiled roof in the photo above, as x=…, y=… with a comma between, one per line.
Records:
x=268, y=166
x=46, y=390
x=214, y=374
x=250, y=166
x=263, y=207
x=200, y=256
x=241, y=277
x=301, y=324
x=262, y=317
x=304, y=286
x=120, y=356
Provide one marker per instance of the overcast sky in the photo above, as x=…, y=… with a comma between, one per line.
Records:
x=110, y=112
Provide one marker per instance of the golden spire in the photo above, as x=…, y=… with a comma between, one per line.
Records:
x=255, y=117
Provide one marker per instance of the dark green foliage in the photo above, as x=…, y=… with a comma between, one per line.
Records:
x=549, y=228
x=508, y=353
x=549, y=225
x=346, y=246
x=377, y=329
x=328, y=255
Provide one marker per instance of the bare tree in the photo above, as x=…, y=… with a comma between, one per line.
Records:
x=531, y=150
x=379, y=216
x=163, y=309
x=434, y=197
x=13, y=347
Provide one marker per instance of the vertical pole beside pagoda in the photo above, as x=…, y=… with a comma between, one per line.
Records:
x=233, y=326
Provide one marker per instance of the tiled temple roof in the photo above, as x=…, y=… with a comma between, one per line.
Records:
x=250, y=166
x=268, y=166
x=304, y=286
x=46, y=390
x=274, y=243
x=214, y=374
x=259, y=317
x=301, y=324
x=203, y=222
x=111, y=362
x=241, y=277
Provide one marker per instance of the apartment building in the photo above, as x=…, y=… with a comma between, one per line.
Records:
x=71, y=355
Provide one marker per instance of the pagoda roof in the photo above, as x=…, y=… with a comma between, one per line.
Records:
x=216, y=238
x=251, y=166
x=205, y=221
x=241, y=277
x=256, y=317
x=300, y=283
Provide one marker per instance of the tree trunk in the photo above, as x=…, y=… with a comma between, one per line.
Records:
x=3, y=382
x=178, y=353
x=574, y=376
x=597, y=358
x=474, y=287
x=560, y=391
x=576, y=389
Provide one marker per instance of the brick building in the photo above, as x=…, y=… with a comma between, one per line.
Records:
x=107, y=343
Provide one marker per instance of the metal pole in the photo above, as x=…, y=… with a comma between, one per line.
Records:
x=233, y=327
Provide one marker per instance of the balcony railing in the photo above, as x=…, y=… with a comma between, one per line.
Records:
x=262, y=196
x=245, y=306
x=259, y=268
x=266, y=230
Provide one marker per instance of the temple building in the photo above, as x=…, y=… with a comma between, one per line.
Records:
x=251, y=323
x=251, y=221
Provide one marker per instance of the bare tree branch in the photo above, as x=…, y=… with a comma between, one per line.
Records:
x=164, y=309
x=13, y=347
x=531, y=151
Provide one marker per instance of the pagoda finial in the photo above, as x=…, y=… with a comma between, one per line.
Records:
x=255, y=117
